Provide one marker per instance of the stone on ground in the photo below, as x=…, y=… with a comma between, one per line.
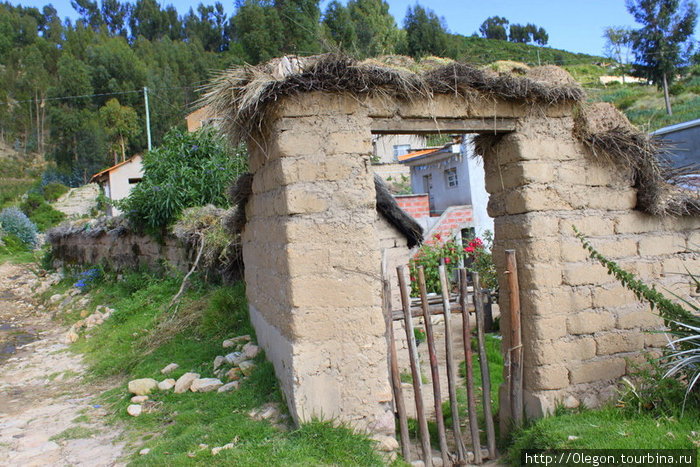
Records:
x=205, y=385
x=166, y=384
x=139, y=399
x=134, y=410
x=232, y=386
x=142, y=386
x=169, y=368
x=251, y=350
x=184, y=382
x=246, y=367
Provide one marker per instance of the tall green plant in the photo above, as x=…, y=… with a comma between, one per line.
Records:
x=682, y=357
x=188, y=169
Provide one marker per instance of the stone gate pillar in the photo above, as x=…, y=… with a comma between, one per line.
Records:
x=312, y=261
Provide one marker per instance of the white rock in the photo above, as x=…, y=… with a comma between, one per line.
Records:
x=144, y=451
x=142, y=386
x=184, y=382
x=246, y=367
x=250, y=350
x=205, y=385
x=232, y=386
x=166, y=384
x=134, y=410
x=169, y=368
x=386, y=443
x=216, y=451
x=218, y=361
x=71, y=336
x=234, y=358
x=233, y=374
x=139, y=399
x=228, y=343
x=55, y=298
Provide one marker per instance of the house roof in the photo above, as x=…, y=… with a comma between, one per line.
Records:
x=100, y=175
x=416, y=154
x=676, y=127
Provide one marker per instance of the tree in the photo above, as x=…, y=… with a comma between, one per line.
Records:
x=258, y=29
x=209, y=27
x=338, y=28
x=519, y=34
x=121, y=124
x=300, y=26
x=425, y=32
x=617, y=43
x=663, y=40
x=494, y=28
x=528, y=33
x=376, y=29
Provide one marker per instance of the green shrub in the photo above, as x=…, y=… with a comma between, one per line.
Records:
x=15, y=222
x=189, y=169
x=54, y=190
x=40, y=212
x=10, y=244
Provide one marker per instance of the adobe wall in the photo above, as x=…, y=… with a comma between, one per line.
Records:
x=313, y=262
x=120, y=252
x=313, y=254
x=580, y=329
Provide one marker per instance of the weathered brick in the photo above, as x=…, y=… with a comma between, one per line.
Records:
x=612, y=297
x=657, y=245
x=547, y=377
x=562, y=350
x=557, y=301
x=530, y=225
x=597, y=370
x=542, y=328
x=539, y=276
x=534, y=198
x=585, y=273
x=617, y=248
x=588, y=322
x=617, y=342
x=655, y=339
x=637, y=222
x=643, y=319
x=590, y=226
x=572, y=251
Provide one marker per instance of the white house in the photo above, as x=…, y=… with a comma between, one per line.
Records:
x=118, y=180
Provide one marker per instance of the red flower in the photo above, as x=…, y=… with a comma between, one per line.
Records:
x=448, y=260
x=469, y=249
x=438, y=236
x=478, y=241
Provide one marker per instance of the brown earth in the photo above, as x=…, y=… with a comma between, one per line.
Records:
x=48, y=411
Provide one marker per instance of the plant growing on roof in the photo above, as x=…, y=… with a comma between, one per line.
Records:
x=188, y=169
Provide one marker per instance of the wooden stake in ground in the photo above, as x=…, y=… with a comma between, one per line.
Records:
x=415, y=370
x=467, y=337
x=451, y=371
x=516, y=349
x=484, y=365
x=395, y=377
x=434, y=371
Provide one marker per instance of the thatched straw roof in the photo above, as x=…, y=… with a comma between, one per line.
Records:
x=242, y=95
x=610, y=136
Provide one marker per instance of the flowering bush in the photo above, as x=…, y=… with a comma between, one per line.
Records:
x=15, y=222
x=476, y=255
x=87, y=279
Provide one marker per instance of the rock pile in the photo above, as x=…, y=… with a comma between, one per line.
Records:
x=230, y=367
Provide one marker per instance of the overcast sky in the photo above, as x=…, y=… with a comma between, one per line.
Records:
x=576, y=26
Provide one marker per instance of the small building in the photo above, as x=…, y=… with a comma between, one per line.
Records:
x=451, y=178
x=386, y=150
x=682, y=142
x=118, y=180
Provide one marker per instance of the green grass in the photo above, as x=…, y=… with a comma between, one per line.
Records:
x=74, y=432
x=12, y=250
x=142, y=337
x=608, y=428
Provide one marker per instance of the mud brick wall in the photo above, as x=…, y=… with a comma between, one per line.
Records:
x=119, y=252
x=581, y=330
x=313, y=262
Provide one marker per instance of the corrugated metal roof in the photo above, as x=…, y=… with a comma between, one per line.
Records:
x=677, y=127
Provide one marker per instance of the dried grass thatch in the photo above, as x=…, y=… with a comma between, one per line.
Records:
x=203, y=227
x=116, y=226
x=610, y=136
x=242, y=95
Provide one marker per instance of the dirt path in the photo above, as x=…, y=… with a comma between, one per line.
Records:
x=48, y=415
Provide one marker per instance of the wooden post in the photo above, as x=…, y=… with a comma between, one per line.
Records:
x=434, y=370
x=451, y=371
x=467, y=338
x=516, y=350
x=395, y=377
x=485, y=372
x=415, y=370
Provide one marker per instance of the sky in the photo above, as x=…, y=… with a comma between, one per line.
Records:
x=575, y=26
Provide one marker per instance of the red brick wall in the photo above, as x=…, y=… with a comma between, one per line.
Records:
x=415, y=205
x=454, y=218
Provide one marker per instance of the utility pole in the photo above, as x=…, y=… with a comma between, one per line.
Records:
x=148, y=118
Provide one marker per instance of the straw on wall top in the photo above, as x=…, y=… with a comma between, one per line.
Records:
x=241, y=95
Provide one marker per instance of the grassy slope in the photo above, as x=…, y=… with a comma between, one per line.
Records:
x=141, y=338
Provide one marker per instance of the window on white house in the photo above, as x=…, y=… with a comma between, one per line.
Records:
x=400, y=150
x=451, y=179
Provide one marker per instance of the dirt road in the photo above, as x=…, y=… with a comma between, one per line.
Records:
x=48, y=414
